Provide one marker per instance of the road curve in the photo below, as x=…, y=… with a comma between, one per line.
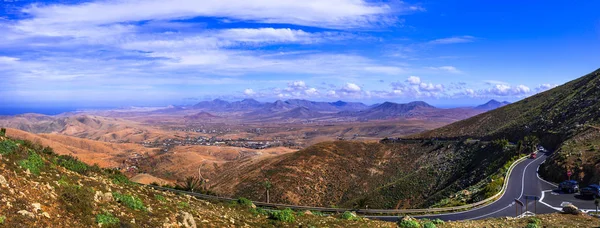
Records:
x=523, y=181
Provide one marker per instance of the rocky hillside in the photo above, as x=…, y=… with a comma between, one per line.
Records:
x=391, y=174
x=553, y=116
x=42, y=189
x=565, y=119
x=435, y=164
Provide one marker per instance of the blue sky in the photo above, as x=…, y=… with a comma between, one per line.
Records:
x=148, y=52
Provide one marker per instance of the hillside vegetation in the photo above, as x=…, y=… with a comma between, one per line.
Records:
x=565, y=119
x=450, y=165
x=42, y=189
x=378, y=175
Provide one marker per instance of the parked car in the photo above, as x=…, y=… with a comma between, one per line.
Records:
x=532, y=155
x=591, y=190
x=569, y=186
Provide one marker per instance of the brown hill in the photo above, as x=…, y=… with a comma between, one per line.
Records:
x=201, y=116
x=90, y=151
x=43, y=190
x=349, y=174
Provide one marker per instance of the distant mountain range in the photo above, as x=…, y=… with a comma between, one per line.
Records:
x=306, y=109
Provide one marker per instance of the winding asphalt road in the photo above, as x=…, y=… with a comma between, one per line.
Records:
x=523, y=181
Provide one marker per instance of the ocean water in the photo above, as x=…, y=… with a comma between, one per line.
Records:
x=9, y=111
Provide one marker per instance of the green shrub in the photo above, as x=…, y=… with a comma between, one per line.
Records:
x=429, y=225
x=73, y=164
x=259, y=211
x=535, y=220
x=48, y=150
x=438, y=221
x=244, y=202
x=183, y=205
x=531, y=225
x=34, y=163
x=130, y=201
x=7, y=147
x=347, y=215
x=2, y=219
x=286, y=215
x=160, y=198
x=318, y=213
x=117, y=177
x=408, y=224
x=107, y=219
x=77, y=200
x=3, y=132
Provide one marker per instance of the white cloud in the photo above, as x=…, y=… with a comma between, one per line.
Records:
x=8, y=60
x=469, y=92
x=431, y=87
x=249, y=92
x=296, y=85
x=328, y=14
x=453, y=40
x=413, y=80
x=449, y=69
x=351, y=88
x=545, y=86
x=311, y=92
x=507, y=90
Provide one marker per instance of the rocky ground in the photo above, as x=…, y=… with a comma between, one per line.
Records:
x=41, y=189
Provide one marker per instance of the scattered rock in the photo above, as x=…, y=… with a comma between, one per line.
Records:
x=27, y=172
x=37, y=207
x=407, y=218
x=3, y=182
x=45, y=214
x=188, y=220
x=571, y=209
x=307, y=212
x=26, y=213
x=100, y=197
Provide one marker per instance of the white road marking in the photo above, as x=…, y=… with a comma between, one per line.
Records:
x=548, y=205
x=523, y=180
x=491, y=213
x=538, y=176
x=522, y=189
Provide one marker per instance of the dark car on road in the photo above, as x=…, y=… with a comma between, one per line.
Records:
x=591, y=190
x=569, y=186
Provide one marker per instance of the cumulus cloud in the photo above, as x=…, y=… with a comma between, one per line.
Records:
x=507, y=90
x=544, y=87
x=311, y=92
x=351, y=88
x=431, y=87
x=413, y=80
x=249, y=92
x=296, y=85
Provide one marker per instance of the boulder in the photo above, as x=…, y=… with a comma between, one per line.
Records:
x=37, y=207
x=188, y=220
x=100, y=197
x=571, y=209
x=26, y=213
x=3, y=181
x=407, y=218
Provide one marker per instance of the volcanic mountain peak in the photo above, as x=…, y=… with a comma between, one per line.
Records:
x=339, y=103
x=492, y=104
x=201, y=115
